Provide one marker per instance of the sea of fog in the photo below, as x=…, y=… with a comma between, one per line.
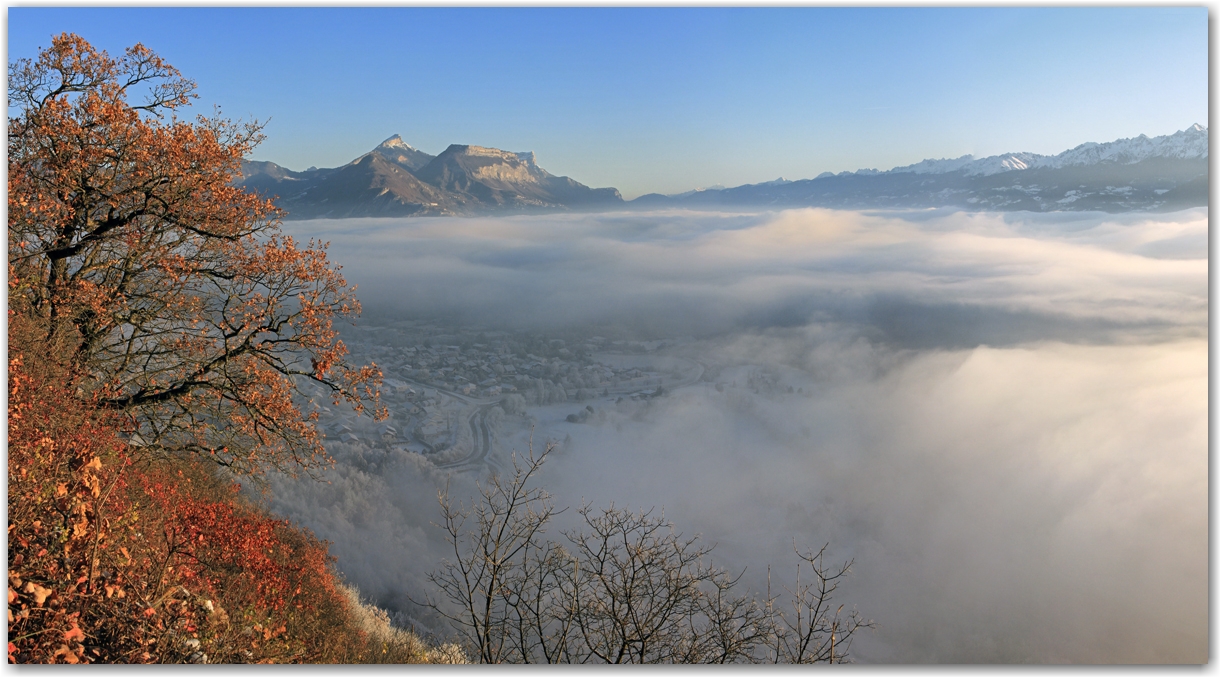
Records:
x=1002, y=417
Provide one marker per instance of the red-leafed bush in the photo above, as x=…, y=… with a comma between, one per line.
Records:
x=114, y=557
x=117, y=558
x=159, y=326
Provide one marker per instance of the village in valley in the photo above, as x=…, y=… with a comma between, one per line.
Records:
x=448, y=391
x=466, y=398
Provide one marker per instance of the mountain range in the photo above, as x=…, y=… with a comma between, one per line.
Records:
x=1161, y=173
x=395, y=179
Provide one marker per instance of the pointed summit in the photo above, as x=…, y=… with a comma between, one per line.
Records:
x=402, y=154
x=395, y=142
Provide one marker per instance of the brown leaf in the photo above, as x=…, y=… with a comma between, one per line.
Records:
x=68, y=654
x=40, y=593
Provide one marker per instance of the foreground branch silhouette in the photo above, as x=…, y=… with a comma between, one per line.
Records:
x=625, y=588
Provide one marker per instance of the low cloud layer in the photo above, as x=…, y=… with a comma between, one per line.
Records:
x=985, y=278
x=1045, y=503
x=1003, y=418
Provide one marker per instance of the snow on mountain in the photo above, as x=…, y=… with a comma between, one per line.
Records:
x=396, y=142
x=984, y=166
x=402, y=153
x=716, y=187
x=1189, y=143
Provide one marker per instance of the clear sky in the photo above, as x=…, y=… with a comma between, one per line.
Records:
x=665, y=100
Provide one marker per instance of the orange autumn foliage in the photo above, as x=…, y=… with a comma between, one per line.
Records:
x=160, y=328
x=122, y=558
x=176, y=292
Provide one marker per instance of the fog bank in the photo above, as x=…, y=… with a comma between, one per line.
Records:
x=1001, y=417
x=909, y=278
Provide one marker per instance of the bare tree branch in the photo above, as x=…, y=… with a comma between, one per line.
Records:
x=626, y=588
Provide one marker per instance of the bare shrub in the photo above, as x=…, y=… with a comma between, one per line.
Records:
x=625, y=588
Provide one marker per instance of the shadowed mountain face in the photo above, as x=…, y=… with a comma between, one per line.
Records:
x=1155, y=184
x=399, y=152
x=1164, y=173
x=369, y=186
x=501, y=180
x=395, y=179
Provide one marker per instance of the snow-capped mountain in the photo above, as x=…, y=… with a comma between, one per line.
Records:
x=400, y=152
x=1187, y=144
x=396, y=142
x=718, y=186
x=394, y=179
x=1160, y=173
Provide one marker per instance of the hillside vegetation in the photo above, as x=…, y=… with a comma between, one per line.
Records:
x=165, y=339
x=157, y=322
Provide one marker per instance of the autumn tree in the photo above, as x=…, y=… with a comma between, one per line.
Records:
x=155, y=307
x=176, y=292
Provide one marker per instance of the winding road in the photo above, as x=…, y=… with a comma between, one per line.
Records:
x=481, y=436
x=481, y=433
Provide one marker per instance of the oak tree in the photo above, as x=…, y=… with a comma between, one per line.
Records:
x=177, y=291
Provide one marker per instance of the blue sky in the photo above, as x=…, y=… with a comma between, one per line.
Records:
x=664, y=100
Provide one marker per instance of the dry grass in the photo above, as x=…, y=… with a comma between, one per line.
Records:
x=389, y=644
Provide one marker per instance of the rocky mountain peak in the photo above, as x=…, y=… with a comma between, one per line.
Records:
x=526, y=157
x=1187, y=143
x=396, y=142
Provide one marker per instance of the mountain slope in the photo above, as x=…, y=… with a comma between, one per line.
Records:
x=1141, y=174
x=369, y=186
x=505, y=180
x=395, y=179
x=1138, y=174
x=402, y=154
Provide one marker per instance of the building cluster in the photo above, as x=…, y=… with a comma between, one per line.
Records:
x=481, y=365
x=431, y=373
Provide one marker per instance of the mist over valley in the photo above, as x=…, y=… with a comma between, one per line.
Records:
x=654, y=335
x=1002, y=417
x=981, y=378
